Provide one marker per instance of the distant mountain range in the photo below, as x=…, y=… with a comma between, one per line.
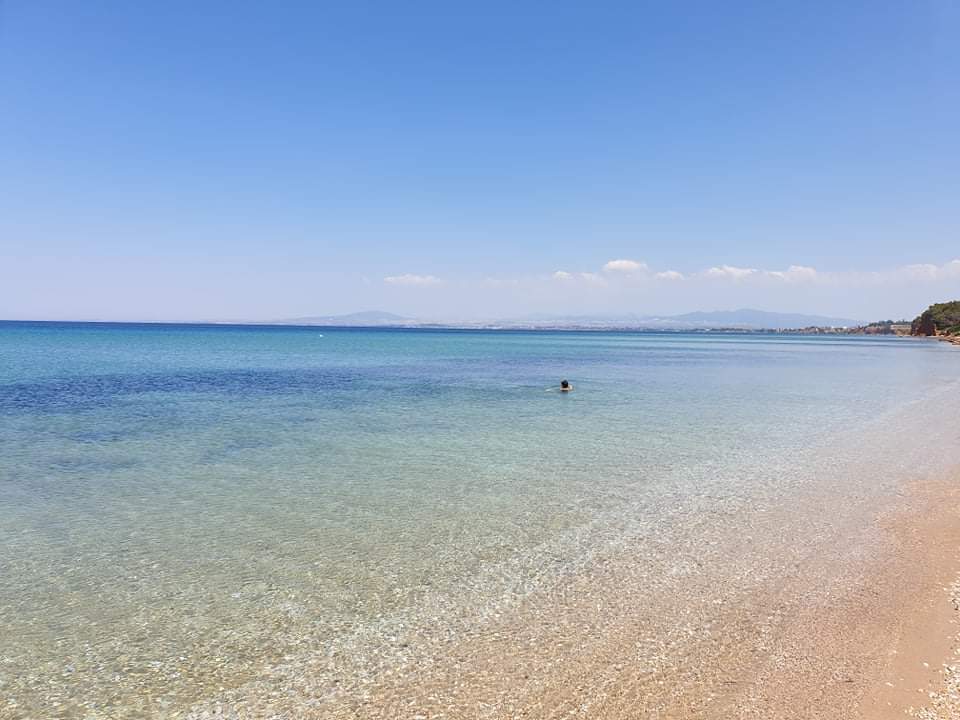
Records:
x=358, y=319
x=761, y=319
x=746, y=319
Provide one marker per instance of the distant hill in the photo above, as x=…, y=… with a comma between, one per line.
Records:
x=358, y=319
x=938, y=319
x=759, y=319
x=746, y=319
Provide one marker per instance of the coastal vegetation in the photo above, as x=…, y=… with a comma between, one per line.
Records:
x=938, y=319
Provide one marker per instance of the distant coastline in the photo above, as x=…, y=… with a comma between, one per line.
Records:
x=941, y=321
x=462, y=327
x=480, y=327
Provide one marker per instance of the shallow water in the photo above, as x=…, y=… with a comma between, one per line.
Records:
x=183, y=508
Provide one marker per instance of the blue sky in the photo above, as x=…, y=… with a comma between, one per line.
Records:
x=250, y=160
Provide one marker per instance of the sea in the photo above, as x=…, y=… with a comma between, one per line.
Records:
x=251, y=519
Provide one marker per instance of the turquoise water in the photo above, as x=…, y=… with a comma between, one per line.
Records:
x=183, y=506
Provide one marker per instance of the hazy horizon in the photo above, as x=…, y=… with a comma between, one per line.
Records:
x=622, y=288
x=372, y=317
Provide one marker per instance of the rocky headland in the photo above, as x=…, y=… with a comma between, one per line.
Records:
x=940, y=320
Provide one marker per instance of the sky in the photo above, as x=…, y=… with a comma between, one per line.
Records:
x=257, y=161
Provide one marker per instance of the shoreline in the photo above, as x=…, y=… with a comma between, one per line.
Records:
x=494, y=327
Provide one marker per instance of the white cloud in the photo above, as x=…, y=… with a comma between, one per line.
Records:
x=588, y=278
x=593, y=278
x=412, y=280
x=927, y=271
x=626, y=266
x=905, y=275
x=795, y=273
x=730, y=272
x=627, y=285
x=632, y=274
x=669, y=275
x=924, y=270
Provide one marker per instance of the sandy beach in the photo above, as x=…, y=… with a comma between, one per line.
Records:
x=869, y=636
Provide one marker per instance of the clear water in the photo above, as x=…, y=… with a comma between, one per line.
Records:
x=181, y=507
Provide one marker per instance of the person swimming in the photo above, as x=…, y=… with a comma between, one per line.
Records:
x=565, y=386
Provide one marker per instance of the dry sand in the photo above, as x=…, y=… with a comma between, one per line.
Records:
x=920, y=678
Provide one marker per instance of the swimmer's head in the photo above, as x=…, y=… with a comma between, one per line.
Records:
x=564, y=384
